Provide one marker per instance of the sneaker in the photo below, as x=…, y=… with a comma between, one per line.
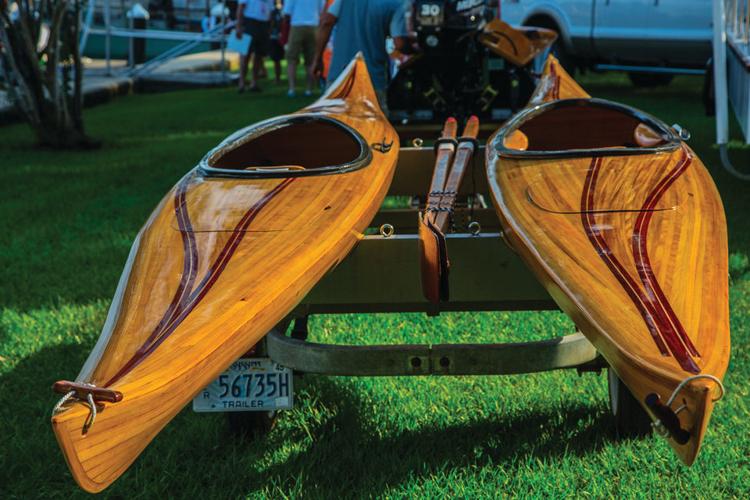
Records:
x=308, y=93
x=255, y=88
x=291, y=93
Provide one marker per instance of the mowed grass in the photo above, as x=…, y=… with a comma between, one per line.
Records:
x=67, y=220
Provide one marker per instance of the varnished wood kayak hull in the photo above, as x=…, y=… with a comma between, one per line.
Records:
x=633, y=247
x=220, y=262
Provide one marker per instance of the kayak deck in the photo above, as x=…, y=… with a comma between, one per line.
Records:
x=625, y=229
x=226, y=255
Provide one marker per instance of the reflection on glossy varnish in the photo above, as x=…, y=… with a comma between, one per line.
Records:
x=346, y=88
x=186, y=298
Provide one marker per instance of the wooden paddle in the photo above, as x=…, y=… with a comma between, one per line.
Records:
x=440, y=201
x=445, y=148
x=430, y=243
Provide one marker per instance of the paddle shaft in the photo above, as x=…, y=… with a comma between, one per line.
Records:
x=446, y=147
x=466, y=147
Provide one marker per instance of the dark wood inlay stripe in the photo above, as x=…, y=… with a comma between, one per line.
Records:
x=679, y=342
x=212, y=275
x=605, y=253
x=190, y=266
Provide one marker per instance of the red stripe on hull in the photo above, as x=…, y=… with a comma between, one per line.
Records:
x=347, y=87
x=674, y=333
x=212, y=275
x=602, y=248
x=190, y=266
x=556, y=87
x=657, y=313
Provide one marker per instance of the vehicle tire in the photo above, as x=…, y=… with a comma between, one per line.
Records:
x=631, y=420
x=251, y=424
x=650, y=79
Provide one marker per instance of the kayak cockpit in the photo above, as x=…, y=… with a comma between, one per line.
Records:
x=290, y=146
x=583, y=127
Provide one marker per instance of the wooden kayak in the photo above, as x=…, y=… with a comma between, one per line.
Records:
x=226, y=255
x=623, y=225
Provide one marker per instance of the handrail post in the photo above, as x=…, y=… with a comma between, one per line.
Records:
x=223, y=43
x=107, y=37
x=720, y=72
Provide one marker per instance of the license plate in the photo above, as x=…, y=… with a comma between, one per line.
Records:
x=250, y=384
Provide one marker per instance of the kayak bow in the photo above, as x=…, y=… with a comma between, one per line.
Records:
x=622, y=224
x=226, y=255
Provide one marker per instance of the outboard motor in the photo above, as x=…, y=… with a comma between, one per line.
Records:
x=455, y=74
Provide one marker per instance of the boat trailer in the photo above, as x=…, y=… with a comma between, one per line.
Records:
x=382, y=275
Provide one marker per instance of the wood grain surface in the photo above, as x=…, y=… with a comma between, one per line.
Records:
x=633, y=248
x=517, y=44
x=218, y=264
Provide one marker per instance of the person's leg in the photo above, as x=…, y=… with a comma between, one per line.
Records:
x=292, y=57
x=277, y=53
x=309, y=50
x=291, y=68
x=257, y=65
x=310, y=78
x=244, y=62
x=264, y=46
x=260, y=43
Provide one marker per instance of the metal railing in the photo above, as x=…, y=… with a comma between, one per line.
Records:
x=737, y=22
x=109, y=30
x=731, y=64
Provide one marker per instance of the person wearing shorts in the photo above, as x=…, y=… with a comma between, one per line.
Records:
x=303, y=17
x=256, y=22
x=276, y=45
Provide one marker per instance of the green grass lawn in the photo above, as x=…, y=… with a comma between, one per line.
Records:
x=67, y=220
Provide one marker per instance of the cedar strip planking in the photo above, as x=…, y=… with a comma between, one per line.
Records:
x=660, y=217
x=168, y=337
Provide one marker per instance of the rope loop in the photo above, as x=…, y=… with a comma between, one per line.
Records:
x=685, y=382
x=89, y=401
x=62, y=401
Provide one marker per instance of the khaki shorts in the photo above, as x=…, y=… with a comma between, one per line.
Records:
x=301, y=41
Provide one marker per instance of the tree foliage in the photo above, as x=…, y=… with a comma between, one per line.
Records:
x=40, y=58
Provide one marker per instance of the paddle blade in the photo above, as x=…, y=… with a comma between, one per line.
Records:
x=433, y=258
x=471, y=129
x=450, y=128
